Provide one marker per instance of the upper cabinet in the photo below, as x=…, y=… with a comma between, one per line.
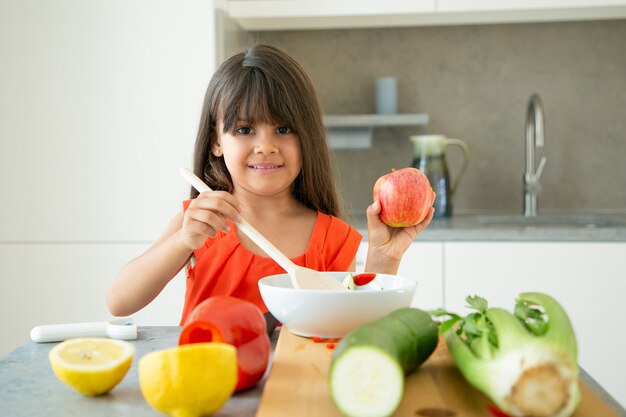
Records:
x=328, y=14
x=325, y=14
x=508, y=11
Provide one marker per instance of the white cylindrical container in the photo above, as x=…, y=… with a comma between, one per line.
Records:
x=386, y=95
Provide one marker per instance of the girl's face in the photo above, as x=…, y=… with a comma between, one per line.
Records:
x=263, y=158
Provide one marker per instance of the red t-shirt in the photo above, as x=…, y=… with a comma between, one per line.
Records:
x=225, y=267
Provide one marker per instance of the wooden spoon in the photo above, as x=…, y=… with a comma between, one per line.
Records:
x=301, y=277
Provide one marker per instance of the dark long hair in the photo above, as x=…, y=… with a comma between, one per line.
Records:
x=264, y=84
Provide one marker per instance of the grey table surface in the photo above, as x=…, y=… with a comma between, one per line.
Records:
x=28, y=386
x=471, y=227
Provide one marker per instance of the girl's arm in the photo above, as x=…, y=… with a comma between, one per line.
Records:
x=386, y=245
x=143, y=278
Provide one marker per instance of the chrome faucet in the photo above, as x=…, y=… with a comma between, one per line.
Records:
x=534, y=140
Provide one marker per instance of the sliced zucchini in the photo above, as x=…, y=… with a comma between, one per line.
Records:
x=366, y=377
x=367, y=382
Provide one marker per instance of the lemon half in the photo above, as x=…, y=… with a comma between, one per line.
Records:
x=92, y=366
x=190, y=380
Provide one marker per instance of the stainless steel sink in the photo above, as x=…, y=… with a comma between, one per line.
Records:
x=550, y=220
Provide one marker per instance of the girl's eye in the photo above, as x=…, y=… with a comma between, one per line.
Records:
x=284, y=130
x=244, y=130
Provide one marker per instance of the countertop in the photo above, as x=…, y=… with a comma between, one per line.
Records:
x=29, y=388
x=503, y=227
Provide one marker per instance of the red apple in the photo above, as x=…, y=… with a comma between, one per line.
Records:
x=405, y=197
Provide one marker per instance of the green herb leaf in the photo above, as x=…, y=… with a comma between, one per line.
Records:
x=448, y=324
x=477, y=303
x=440, y=312
x=533, y=318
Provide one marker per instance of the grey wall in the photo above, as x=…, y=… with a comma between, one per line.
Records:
x=474, y=82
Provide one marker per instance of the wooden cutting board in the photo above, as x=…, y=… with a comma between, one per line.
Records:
x=298, y=386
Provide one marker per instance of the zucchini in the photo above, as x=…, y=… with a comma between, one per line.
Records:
x=368, y=367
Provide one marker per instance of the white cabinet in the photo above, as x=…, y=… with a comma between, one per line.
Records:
x=67, y=283
x=100, y=108
x=511, y=5
x=588, y=279
x=509, y=11
x=423, y=261
x=325, y=14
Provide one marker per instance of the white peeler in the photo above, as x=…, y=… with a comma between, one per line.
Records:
x=123, y=328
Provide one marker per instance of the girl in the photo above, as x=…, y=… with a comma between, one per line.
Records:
x=262, y=148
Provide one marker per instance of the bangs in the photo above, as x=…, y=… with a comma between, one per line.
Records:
x=255, y=98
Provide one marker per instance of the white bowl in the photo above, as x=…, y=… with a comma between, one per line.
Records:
x=333, y=313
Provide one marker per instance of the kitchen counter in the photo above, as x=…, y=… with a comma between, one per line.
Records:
x=507, y=227
x=29, y=388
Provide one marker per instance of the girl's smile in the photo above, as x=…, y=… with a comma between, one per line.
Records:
x=266, y=167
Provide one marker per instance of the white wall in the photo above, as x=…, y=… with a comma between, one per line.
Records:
x=99, y=107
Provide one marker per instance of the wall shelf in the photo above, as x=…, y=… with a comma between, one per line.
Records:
x=355, y=131
x=366, y=120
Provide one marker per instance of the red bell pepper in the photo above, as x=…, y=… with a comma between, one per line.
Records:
x=318, y=339
x=363, y=279
x=493, y=409
x=236, y=322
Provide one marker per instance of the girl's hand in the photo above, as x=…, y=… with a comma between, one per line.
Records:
x=207, y=214
x=386, y=244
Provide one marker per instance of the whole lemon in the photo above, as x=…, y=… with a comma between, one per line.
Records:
x=189, y=381
x=92, y=366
